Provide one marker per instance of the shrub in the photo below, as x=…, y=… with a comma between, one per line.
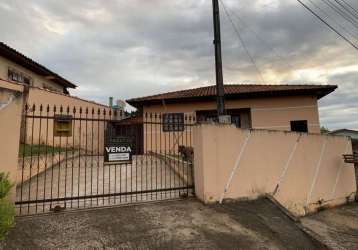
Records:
x=7, y=209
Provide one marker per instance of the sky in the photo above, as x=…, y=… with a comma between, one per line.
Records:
x=132, y=48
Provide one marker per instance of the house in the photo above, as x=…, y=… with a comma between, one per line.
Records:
x=353, y=134
x=48, y=102
x=272, y=107
x=16, y=67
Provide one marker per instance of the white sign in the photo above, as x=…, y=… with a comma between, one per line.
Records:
x=119, y=157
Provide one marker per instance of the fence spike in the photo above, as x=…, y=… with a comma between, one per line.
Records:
x=80, y=110
x=68, y=109
x=92, y=111
x=41, y=107
x=115, y=112
x=74, y=110
x=33, y=107
x=86, y=110
x=61, y=109
x=48, y=108
x=54, y=108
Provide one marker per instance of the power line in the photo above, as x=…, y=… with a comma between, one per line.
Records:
x=328, y=25
x=350, y=6
x=341, y=13
x=328, y=16
x=241, y=40
x=347, y=9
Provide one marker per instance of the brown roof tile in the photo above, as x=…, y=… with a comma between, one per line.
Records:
x=235, y=91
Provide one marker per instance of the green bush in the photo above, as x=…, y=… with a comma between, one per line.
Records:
x=7, y=209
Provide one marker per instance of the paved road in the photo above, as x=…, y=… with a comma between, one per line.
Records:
x=85, y=176
x=183, y=224
x=337, y=228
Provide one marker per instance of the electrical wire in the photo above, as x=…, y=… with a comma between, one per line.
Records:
x=242, y=41
x=328, y=25
x=341, y=13
x=350, y=6
x=347, y=9
x=328, y=16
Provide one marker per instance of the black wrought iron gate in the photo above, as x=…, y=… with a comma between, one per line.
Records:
x=61, y=158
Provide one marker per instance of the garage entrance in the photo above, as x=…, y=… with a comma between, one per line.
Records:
x=64, y=163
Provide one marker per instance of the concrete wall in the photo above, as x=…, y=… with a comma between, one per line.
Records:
x=10, y=120
x=302, y=171
x=266, y=113
x=38, y=81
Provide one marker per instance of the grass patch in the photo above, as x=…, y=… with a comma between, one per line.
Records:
x=28, y=150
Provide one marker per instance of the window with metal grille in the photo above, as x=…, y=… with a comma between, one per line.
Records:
x=173, y=122
x=16, y=76
x=299, y=126
x=62, y=125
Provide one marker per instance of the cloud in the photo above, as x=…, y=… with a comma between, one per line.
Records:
x=140, y=47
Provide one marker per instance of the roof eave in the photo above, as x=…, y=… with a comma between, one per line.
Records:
x=319, y=93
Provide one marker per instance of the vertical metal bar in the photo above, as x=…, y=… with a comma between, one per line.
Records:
x=146, y=153
x=151, y=155
x=161, y=154
x=187, y=145
x=31, y=147
x=46, y=151
x=98, y=144
x=156, y=154
x=109, y=126
x=73, y=152
x=38, y=157
x=165, y=155
x=79, y=158
x=86, y=154
x=170, y=127
x=23, y=153
x=104, y=137
x=59, y=161
x=66, y=157
x=182, y=164
x=52, y=152
x=92, y=154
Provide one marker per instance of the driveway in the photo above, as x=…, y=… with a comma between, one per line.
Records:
x=181, y=224
x=337, y=228
x=87, y=175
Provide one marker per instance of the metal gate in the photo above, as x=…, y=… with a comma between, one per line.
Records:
x=61, y=158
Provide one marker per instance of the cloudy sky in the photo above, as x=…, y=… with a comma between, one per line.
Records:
x=131, y=48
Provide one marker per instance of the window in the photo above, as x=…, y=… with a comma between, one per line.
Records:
x=173, y=122
x=299, y=126
x=16, y=76
x=62, y=125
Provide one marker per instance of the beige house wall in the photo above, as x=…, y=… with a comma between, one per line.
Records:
x=38, y=81
x=266, y=113
x=88, y=129
x=10, y=119
x=302, y=171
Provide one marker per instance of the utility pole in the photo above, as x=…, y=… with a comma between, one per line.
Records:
x=218, y=61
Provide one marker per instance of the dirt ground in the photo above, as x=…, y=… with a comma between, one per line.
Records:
x=181, y=224
x=337, y=228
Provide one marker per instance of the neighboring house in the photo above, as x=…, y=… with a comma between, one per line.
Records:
x=353, y=134
x=273, y=107
x=44, y=88
x=16, y=67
